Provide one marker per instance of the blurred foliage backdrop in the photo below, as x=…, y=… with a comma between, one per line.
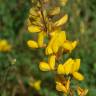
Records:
x=21, y=64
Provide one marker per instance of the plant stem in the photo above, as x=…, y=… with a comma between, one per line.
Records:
x=44, y=22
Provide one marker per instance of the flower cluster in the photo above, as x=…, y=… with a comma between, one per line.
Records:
x=53, y=39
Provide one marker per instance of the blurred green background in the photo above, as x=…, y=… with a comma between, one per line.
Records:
x=14, y=77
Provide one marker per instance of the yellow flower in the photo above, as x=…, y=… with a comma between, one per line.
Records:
x=48, y=66
x=35, y=84
x=70, y=67
x=62, y=20
x=61, y=87
x=66, y=67
x=56, y=42
x=32, y=44
x=82, y=92
x=69, y=46
x=4, y=46
x=61, y=37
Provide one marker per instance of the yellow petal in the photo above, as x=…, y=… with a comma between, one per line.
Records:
x=60, y=87
x=54, y=33
x=62, y=21
x=55, y=47
x=59, y=40
x=68, y=84
x=63, y=2
x=33, y=12
x=32, y=44
x=61, y=37
x=60, y=69
x=78, y=76
x=37, y=84
x=44, y=66
x=33, y=29
x=68, y=66
x=74, y=44
x=67, y=46
x=52, y=62
x=76, y=65
x=54, y=11
x=41, y=36
x=77, y=62
x=53, y=38
x=48, y=50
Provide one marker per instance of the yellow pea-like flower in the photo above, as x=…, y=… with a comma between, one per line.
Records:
x=44, y=66
x=63, y=86
x=52, y=62
x=78, y=76
x=62, y=20
x=82, y=92
x=69, y=46
x=59, y=40
x=36, y=84
x=60, y=87
x=60, y=69
x=68, y=66
x=5, y=46
x=48, y=66
x=33, y=29
x=54, y=11
x=32, y=44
